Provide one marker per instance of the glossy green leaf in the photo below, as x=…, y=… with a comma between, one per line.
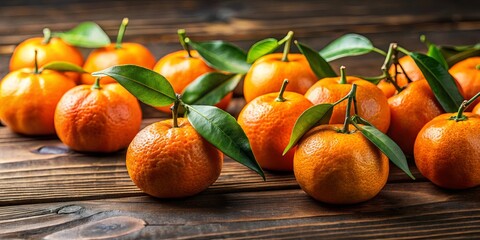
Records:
x=222, y=55
x=222, y=130
x=148, y=86
x=262, y=48
x=210, y=88
x=63, y=67
x=345, y=46
x=313, y=116
x=319, y=66
x=440, y=81
x=387, y=146
x=434, y=52
x=86, y=34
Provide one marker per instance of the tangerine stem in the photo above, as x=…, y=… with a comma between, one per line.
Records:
x=181, y=36
x=288, y=43
x=47, y=36
x=351, y=97
x=464, y=106
x=403, y=50
x=404, y=73
x=391, y=57
x=96, y=84
x=174, y=108
x=477, y=67
x=121, y=33
x=388, y=58
x=280, y=97
x=424, y=39
x=380, y=51
x=343, y=76
x=36, y=63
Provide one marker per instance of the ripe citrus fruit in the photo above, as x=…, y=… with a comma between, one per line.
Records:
x=410, y=110
x=372, y=103
x=172, y=162
x=28, y=100
x=97, y=118
x=272, y=114
x=117, y=54
x=268, y=72
x=339, y=168
x=411, y=70
x=447, y=152
x=180, y=70
x=467, y=74
x=50, y=49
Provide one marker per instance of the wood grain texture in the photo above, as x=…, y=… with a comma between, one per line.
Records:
x=401, y=210
x=44, y=170
x=48, y=191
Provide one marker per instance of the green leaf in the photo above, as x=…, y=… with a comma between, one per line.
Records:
x=86, y=34
x=347, y=45
x=313, y=116
x=148, y=86
x=63, y=67
x=454, y=58
x=319, y=66
x=210, y=88
x=387, y=146
x=374, y=80
x=262, y=48
x=222, y=55
x=222, y=130
x=440, y=81
x=434, y=52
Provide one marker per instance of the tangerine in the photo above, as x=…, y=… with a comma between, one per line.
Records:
x=272, y=114
x=467, y=74
x=29, y=97
x=116, y=54
x=268, y=72
x=97, y=118
x=447, y=151
x=172, y=162
x=181, y=68
x=49, y=49
x=339, y=168
x=410, y=110
x=372, y=103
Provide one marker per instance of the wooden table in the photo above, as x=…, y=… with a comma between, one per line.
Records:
x=48, y=191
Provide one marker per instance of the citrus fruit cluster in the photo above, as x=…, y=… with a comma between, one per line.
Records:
x=298, y=116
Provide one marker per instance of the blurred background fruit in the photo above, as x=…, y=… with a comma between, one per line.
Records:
x=117, y=54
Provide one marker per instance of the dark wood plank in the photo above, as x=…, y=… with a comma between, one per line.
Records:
x=401, y=210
